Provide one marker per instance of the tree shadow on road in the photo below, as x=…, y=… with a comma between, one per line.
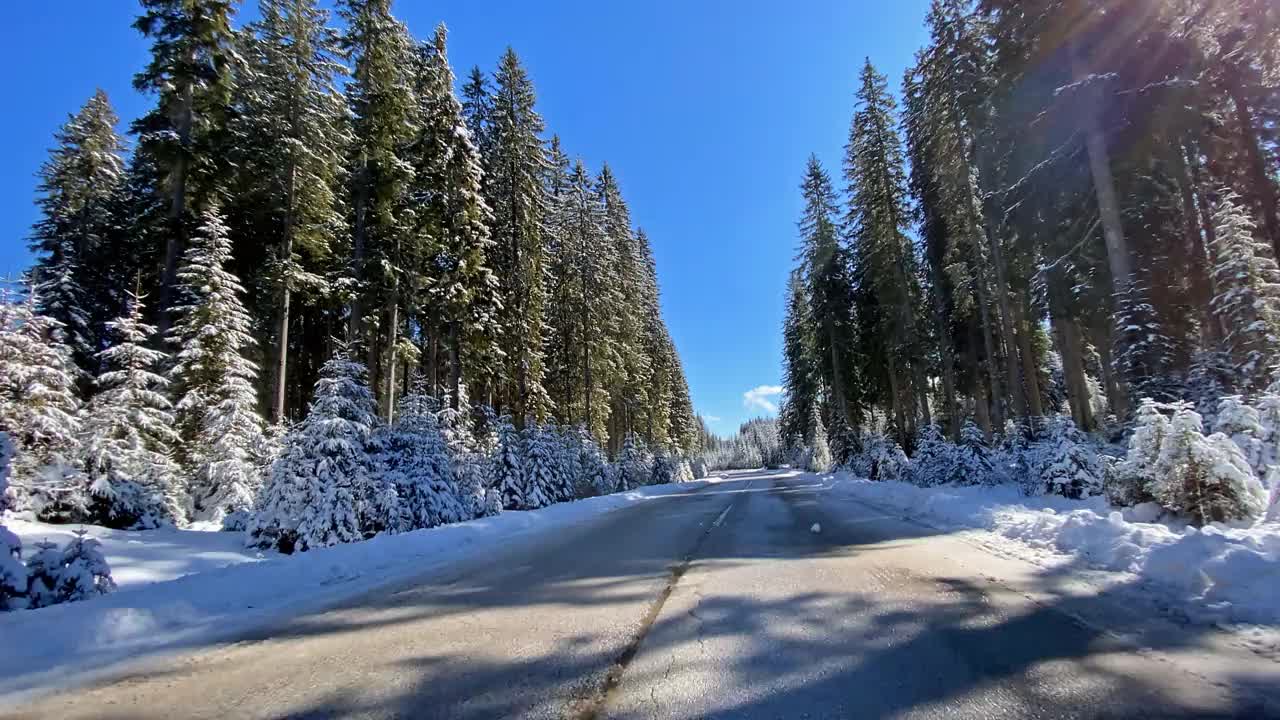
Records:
x=949, y=651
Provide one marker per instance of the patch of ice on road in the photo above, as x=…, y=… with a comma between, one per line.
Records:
x=815, y=528
x=180, y=588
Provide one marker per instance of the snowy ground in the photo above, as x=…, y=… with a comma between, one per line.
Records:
x=180, y=588
x=150, y=556
x=1227, y=576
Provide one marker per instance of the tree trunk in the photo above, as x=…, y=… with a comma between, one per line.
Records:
x=1104, y=188
x=1114, y=393
x=282, y=322
x=175, y=244
x=993, y=375
x=393, y=336
x=1030, y=370
x=455, y=365
x=1210, y=239
x=837, y=382
x=1201, y=279
x=1068, y=342
x=981, y=403
x=359, y=232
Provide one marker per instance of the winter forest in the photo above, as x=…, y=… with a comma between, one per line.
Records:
x=319, y=292
x=1054, y=263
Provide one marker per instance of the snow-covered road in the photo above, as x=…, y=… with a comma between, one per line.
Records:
x=718, y=602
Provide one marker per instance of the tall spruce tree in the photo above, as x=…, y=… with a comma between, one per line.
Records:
x=516, y=165
x=192, y=73
x=217, y=409
x=383, y=108
x=887, y=285
x=291, y=131
x=79, y=185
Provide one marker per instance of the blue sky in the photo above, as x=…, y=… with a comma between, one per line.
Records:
x=706, y=109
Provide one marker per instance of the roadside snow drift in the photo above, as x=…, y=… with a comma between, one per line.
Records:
x=231, y=590
x=1221, y=574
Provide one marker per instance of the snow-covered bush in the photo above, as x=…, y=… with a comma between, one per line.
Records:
x=471, y=456
x=320, y=489
x=1128, y=481
x=971, y=462
x=594, y=476
x=1243, y=424
x=1015, y=458
x=1268, y=405
x=1273, y=504
x=59, y=575
x=931, y=464
x=635, y=463
x=13, y=575
x=1065, y=463
x=669, y=468
x=414, y=459
x=881, y=458
x=699, y=468
x=818, y=458
x=1208, y=479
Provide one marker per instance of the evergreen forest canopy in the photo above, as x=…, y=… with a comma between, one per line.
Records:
x=314, y=232
x=1073, y=211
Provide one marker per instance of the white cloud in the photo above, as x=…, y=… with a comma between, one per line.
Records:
x=712, y=418
x=757, y=398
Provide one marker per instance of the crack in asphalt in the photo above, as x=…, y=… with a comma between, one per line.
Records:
x=592, y=707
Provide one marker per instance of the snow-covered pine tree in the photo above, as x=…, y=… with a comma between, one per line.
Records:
x=569, y=464
x=1066, y=464
x=972, y=464
x=1143, y=353
x=635, y=463
x=78, y=185
x=1207, y=479
x=1243, y=424
x=40, y=409
x=84, y=572
x=509, y=466
x=319, y=491
x=541, y=465
x=594, y=476
x=415, y=460
x=128, y=432
x=819, y=459
x=930, y=465
x=217, y=410
x=1247, y=281
x=60, y=575
x=472, y=461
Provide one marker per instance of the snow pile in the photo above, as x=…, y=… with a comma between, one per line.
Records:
x=45, y=645
x=1224, y=573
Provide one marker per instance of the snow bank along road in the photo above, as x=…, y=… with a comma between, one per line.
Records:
x=717, y=602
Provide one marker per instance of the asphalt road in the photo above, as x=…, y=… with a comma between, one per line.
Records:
x=716, y=603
